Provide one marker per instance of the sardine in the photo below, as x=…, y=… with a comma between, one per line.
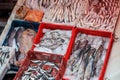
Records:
x=88, y=71
x=98, y=67
x=89, y=55
x=80, y=75
x=98, y=53
x=37, y=72
x=97, y=56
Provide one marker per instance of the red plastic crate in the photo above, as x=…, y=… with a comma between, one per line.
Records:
x=40, y=34
x=33, y=55
x=95, y=33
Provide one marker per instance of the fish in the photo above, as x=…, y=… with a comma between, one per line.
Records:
x=80, y=73
x=54, y=41
x=98, y=67
x=96, y=57
x=98, y=53
x=4, y=55
x=37, y=72
x=89, y=55
x=88, y=70
x=86, y=59
x=11, y=37
x=18, y=36
x=78, y=12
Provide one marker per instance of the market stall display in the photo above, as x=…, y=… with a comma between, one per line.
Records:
x=53, y=38
x=89, y=55
x=82, y=51
x=20, y=37
x=55, y=41
x=6, y=56
x=40, y=71
x=97, y=15
x=39, y=65
x=102, y=15
x=66, y=11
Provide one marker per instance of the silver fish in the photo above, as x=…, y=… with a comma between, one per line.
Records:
x=37, y=72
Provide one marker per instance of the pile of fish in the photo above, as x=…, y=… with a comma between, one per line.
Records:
x=4, y=55
x=66, y=11
x=54, y=41
x=21, y=40
x=87, y=57
x=38, y=4
x=102, y=15
x=94, y=14
x=41, y=70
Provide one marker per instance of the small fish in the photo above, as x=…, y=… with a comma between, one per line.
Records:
x=18, y=35
x=4, y=55
x=87, y=49
x=37, y=72
x=76, y=45
x=88, y=70
x=97, y=56
x=98, y=53
x=36, y=61
x=11, y=37
x=85, y=61
x=98, y=67
x=80, y=74
x=83, y=44
x=54, y=41
x=89, y=56
x=25, y=77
